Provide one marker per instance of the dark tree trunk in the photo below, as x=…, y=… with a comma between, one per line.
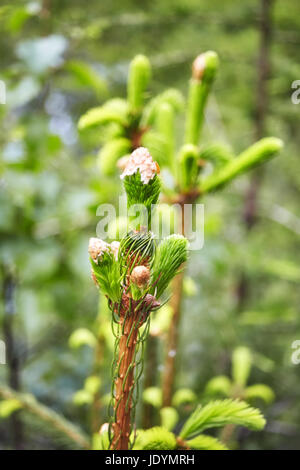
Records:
x=250, y=209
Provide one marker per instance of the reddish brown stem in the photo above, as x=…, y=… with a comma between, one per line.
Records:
x=175, y=303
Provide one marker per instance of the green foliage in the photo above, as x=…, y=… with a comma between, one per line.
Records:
x=160, y=322
x=157, y=438
x=203, y=442
x=92, y=384
x=153, y=396
x=142, y=194
x=219, y=413
x=82, y=397
x=241, y=365
x=220, y=385
x=218, y=154
x=136, y=245
x=183, y=396
x=170, y=255
x=254, y=155
x=189, y=287
x=169, y=417
x=165, y=124
x=8, y=407
x=50, y=188
x=101, y=440
x=198, y=94
x=241, y=368
x=259, y=392
x=107, y=274
x=28, y=403
x=115, y=110
x=138, y=79
x=110, y=154
x=214, y=414
x=188, y=168
x=171, y=97
x=86, y=76
x=81, y=337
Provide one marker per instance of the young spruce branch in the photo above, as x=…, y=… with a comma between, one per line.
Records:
x=133, y=275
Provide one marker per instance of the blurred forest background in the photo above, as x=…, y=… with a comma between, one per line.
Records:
x=58, y=59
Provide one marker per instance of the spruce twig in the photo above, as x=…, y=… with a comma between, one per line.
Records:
x=30, y=404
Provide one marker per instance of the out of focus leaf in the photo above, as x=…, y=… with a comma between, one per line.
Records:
x=169, y=417
x=81, y=337
x=7, y=407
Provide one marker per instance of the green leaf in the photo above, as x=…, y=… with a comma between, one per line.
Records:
x=101, y=440
x=82, y=397
x=221, y=412
x=284, y=269
x=157, y=145
x=169, y=417
x=138, y=79
x=188, y=168
x=137, y=247
x=183, y=396
x=47, y=416
x=216, y=153
x=117, y=228
x=156, y=438
x=259, y=391
x=200, y=87
x=203, y=442
x=170, y=255
x=111, y=152
x=241, y=365
x=261, y=151
x=107, y=274
x=8, y=407
x=81, y=337
x=220, y=385
x=189, y=286
x=92, y=384
x=143, y=195
x=165, y=123
x=87, y=76
x=115, y=110
x=161, y=320
x=172, y=97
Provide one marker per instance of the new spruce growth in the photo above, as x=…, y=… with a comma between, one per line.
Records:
x=137, y=122
x=133, y=275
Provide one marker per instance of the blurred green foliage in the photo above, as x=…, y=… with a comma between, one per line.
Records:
x=59, y=59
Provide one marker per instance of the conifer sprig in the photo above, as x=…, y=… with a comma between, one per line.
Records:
x=221, y=412
x=170, y=255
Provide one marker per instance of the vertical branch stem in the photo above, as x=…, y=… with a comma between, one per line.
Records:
x=124, y=383
x=175, y=303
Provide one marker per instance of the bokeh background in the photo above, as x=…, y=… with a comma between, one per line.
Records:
x=58, y=59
